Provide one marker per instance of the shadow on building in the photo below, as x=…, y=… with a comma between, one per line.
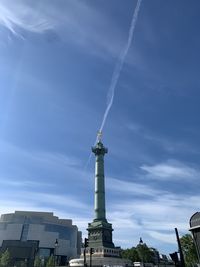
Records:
x=29, y=234
x=195, y=229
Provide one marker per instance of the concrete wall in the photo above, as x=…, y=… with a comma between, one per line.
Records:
x=43, y=227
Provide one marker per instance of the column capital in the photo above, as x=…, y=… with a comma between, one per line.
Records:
x=99, y=149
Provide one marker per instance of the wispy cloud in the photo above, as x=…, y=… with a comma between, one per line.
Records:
x=135, y=206
x=6, y=181
x=155, y=215
x=131, y=187
x=72, y=21
x=56, y=172
x=171, y=170
x=168, y=238
x=48, y=160
x=23, y=15
x=168, y=144
x=9, y=206
x=47, y=199
x=141, y=209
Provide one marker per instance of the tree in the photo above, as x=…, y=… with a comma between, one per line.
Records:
x=145, y=254
x=37, y=261
x=5, y=258
x=189, y=250
x=50, y=261
x=131, y=254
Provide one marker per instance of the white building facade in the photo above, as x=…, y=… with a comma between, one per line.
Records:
x=27, y=233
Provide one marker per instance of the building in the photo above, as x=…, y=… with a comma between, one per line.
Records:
x=100, y=250
x=27, y=234
x=195, y=229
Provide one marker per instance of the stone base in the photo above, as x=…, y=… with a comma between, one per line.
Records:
x=100, y=234
x=103, y=252
x=101, y=262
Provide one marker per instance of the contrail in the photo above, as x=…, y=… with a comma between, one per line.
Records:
x=119, y=65
x=117, y=71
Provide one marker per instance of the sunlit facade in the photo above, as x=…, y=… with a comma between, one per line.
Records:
x=27, y=234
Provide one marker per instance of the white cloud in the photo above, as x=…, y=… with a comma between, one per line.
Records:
x=132, y=215
x=135, y=127
x=46, y=199
x=14, y=15
x=40, y=156
x=73, y=21
x=26, y=190
x=167, y=144
x=134, y=208
x=10, y=206
x=153, y=215
x=171, y=146
x=48, y=161
x=130, y=187
x=171, y=170
x=167, y=238
x=23, y=183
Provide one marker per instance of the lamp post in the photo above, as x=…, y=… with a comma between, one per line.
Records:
x=84, y=251
x=91, y=252
x=55, y=252
x=180, y=248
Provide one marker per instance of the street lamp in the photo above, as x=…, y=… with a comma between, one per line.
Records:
x=55, y=252
x=91, y=252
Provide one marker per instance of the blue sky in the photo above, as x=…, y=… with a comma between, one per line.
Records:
x=57, y=60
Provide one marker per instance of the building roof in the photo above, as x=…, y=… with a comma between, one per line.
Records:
x=195, y=221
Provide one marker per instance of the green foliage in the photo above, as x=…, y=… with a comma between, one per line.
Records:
x=50, y=261
x=5, y=258
x=141, y=253
x=131, y=254
x=145, y=254
x=37, y=261
x=189, y=250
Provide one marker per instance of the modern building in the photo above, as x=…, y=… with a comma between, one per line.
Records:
x=27, y=234
x=101, y=250
x=195, y=229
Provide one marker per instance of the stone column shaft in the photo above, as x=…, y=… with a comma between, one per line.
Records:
x=99, y=199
